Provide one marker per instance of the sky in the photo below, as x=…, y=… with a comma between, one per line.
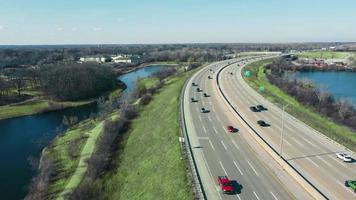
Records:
x=31, y=22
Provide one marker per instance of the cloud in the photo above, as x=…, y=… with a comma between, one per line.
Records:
x=97, y=29
x=60, y=29
x=2, y=27
x=74, y=28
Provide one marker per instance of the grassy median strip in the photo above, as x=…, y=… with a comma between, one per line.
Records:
x=150, y=163
x=337, y=132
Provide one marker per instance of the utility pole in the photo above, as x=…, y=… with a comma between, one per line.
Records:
x=282, y=129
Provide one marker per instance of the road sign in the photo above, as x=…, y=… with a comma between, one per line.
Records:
x=261, y=88
x=247, y=73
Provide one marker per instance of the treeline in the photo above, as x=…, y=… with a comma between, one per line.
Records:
x=323, y=102
x=76, y=81
x=18, y=56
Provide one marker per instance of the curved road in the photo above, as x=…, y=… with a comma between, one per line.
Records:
x=237, y=155
x=307, y=150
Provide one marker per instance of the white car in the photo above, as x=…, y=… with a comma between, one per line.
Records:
x=344, y=157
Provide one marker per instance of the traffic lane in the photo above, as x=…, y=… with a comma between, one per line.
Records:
x=328, y=170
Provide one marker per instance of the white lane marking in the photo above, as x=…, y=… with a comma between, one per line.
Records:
x=216, y=132
x=238, y=196
x=235, y=144
x=223, y=145
x=211, y=144
x=201, y=120
x=217, y=116
x=238, y=168
x=204, y=129
x=326, y=162
x=274, y=196
x=286, y=141
x=297, y=141
x=256, y=195
x=252, y=168
x=209, y=118
x=222, y=167
x=310, y=160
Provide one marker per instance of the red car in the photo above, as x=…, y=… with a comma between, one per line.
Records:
x=231, y=129
x=225, y=184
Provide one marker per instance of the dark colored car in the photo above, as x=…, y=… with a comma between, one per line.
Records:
x=199, y=90
x=225, y=184
x=205, y=95
x=254, y=109
x=193, y=100
x=262, y=123
x=231, y=129
x=231, y=73
x=261, y=108
x=204, y=110
x=194, y=84
x=209, y=77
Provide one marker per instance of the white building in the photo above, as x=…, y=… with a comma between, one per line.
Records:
x=99, y=59
x=121, y=59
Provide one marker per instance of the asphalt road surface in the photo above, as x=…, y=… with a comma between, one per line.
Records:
x=311, y=153
x=255, y=175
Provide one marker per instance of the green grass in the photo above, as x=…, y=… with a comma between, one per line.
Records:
x=323, y=55
x=150, y=164
x=71, y=169
x=337, y=132
x=34, y=107
x=149, y=82
x=59, y=151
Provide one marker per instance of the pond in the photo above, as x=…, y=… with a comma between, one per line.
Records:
x=340, y=84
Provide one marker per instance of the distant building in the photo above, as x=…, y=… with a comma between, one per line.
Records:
x=98, y=59
x=123, y=58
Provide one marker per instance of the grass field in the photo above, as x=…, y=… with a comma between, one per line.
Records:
x=150, y=164
x=149, y=82
x=34, y=107
x=323, y=55
x=65, y=161
x=334, y=131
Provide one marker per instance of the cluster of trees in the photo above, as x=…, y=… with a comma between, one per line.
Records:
x=76, y=81
x=340, y=111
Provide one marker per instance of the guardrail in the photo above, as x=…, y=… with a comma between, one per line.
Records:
x=199, y=190
x=265, y=142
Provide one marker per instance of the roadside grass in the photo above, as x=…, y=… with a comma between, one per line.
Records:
x=336, y=132
x=35, y=106
x=323, y=55
x=150, y=162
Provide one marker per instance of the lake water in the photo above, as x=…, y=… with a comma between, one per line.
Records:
x=26, y=136
x=340, y=84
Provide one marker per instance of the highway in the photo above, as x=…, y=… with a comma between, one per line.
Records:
x=237, y=155
x=310, y=152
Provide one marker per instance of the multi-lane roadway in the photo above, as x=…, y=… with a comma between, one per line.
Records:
x=237, y=155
